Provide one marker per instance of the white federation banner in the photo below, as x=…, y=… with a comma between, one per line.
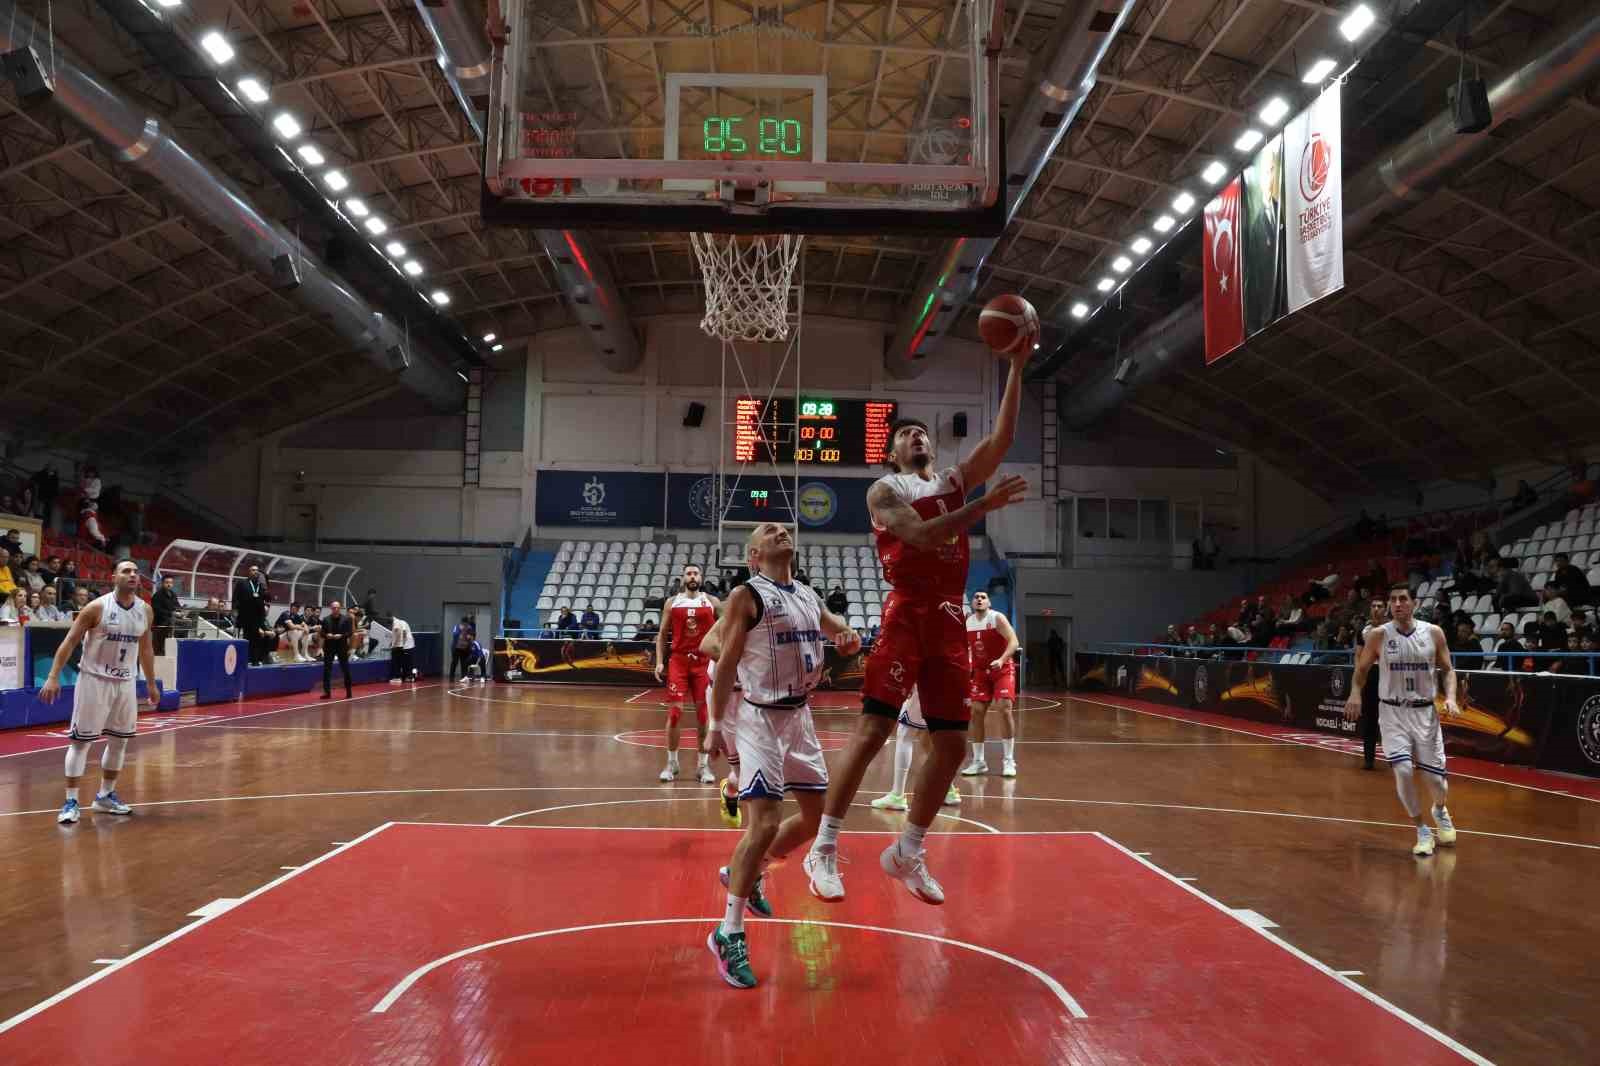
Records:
x=1313, y=163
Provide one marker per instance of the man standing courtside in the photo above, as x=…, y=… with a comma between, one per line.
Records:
x=921, y=524
x=250, y=612
x=687, y=617
x=337, y=631
x=1411, y=656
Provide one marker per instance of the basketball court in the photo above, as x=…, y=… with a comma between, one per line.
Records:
x=458, y=874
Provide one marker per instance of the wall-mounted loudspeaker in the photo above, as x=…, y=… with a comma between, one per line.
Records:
x=958, y=425
x=694, y=415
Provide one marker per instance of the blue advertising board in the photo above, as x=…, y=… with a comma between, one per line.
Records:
x=598, y=498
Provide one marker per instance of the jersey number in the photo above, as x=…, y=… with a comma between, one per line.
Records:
x=123, y=656
x=1411, y=684
x=810, y=664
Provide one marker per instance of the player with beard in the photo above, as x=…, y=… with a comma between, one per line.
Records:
x=994, y=683
x=686, y=618
x=921, y=521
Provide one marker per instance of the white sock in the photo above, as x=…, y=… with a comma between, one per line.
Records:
x=977, y=751
x=672, y=758
x=733, y=917
x=904, y=749
x=1010, y=744
x=701, y=760
x=72, y=792
x=911, y=839
x=828, y=833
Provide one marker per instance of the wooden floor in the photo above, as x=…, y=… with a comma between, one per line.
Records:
x=1491, y=943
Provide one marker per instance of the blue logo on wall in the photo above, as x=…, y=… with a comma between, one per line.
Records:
x=703, y=500
x=817, y=504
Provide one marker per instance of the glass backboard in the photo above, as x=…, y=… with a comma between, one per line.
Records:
x=730, y=117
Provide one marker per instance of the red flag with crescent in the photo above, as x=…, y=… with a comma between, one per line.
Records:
x=1224, y=266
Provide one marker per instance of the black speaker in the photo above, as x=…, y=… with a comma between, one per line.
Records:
x=694, y=415
x=1469, y=103
x=958, y=425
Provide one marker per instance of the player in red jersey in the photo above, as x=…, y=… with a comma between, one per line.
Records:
x=921, y=520
x=993, y=643
x=686, y=618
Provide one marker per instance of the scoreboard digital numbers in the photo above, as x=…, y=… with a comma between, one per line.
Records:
x=820, y=431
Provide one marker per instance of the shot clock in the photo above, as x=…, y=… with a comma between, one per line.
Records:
x=818, y=431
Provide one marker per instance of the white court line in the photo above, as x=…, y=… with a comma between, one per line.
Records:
x=105, y=962
x=695, y=799
x=1321, y=747
x=1254, y=919
x=1181, y=878
x=18, y=1019
x=422, y=971
x=361, y=729
x=214, y=908
x=636, y=695
x=1364, y=993
x=238, y=718
x=1351, y=973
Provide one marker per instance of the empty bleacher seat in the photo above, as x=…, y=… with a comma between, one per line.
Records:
x=546, y=603
x=632, y=618
x=1540, y=580
x=1490, y=624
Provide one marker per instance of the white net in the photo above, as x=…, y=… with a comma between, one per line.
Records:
x=747, y=284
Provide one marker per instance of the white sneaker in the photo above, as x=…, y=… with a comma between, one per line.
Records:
x=822, y=866
x=913, y=872
x=69, y=813
x=974, y=768
x=891, y=801
x=706, y=776
x=108, y=803
x=1009, y=769
x=953, y=797
x=1446, y=833
x=669, y=772
x=1425, y=843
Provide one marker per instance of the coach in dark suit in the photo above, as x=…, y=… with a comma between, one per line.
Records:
x=250, y=612
x=336, y=633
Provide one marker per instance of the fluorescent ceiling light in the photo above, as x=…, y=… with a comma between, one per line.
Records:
x=413, y=268
x=253, y=90
x=395, y=248
x=439, y=297
x=336, y=181
x=1184, y=203
x=1105, y=284
x=1121, y=264
x=1319, y=70
x=488, y=338
x=217, y=47
x=376, y=226
x=1080, y=310
x=1357, y=22
x=1164, y=224
x=1140, y=245
x=497, y=347
x=1249, y=139
x=1214, y=173
x=1273, y=110
x=287, y=125
x=311, y=154
x=356, y=207
x=169, y=4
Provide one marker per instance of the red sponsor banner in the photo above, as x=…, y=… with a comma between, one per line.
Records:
x=1224, y=308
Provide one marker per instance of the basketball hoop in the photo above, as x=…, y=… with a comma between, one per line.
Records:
x=747, y=284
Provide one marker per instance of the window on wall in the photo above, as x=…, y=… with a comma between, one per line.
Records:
x=1124, y=520
x=1091, y=517
x=1153, y=520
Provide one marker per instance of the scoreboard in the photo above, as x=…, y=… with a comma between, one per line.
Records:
x=822, y=431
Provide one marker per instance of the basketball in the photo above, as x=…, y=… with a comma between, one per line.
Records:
x=1008, y=323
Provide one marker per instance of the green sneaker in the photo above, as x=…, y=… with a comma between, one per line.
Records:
x=953, y=797
x=756, y=903
x=733, y=958
x=890, y=801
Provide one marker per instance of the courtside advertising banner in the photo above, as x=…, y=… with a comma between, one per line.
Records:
x=1313, y=163
x=1224, y=308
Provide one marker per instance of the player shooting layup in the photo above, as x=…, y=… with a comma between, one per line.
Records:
x=921, y=524
x=115, y=631
x=1408, y=653
x=686, y=618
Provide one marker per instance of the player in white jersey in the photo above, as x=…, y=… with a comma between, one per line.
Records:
x=772, y=641
x=1408, y=654
x=115, y=632
x=912, y=728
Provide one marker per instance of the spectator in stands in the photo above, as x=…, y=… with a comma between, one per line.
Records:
x=1264, y=625
x=250, y=612
x=361, y=644
x=1570, y=581
x=591, y=623
x=7, y=580
x=1590, y=644
x=46, y=487
x=89, y=525
x=67, y=582
x=1550, y=599
x=1246, y=615
x=1374, y=583
x=51, y=569
x=1572, y=663
x=164, y=606
x=1173, y=638
x=1508, y=650
x=294, y=629
x=402, y=642
x=1464, y=641
x=89, y=483
x=1525, y=496
x=1291, y=619
x=838, y=602
x=1552, y=634
x=648, y=630
x=13, y=544
x=50, y=607
x=14, y=611
x=566, y=624
x=1511, y=588
x=80, y=599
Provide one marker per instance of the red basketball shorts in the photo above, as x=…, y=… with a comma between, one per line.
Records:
x=923, y=645
x=688, y=681
x=990, y=685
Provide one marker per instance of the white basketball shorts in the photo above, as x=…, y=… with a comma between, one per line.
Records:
x=778, y=752
x=1412, y=734
x=101, y=705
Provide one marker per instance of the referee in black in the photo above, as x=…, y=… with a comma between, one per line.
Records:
x=336, y=634
x=1377, y=615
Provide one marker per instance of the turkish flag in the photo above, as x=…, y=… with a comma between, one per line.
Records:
x=1224, y=265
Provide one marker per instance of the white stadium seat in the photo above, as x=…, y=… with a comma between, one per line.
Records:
x=1540, y=580
x=1487, y=644
x=1490, y=624
x=546, y=603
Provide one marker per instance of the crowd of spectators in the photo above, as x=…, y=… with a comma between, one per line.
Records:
x=35, y=591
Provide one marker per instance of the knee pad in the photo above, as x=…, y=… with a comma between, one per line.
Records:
x=116, y=750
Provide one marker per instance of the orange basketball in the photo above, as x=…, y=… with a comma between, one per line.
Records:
x=1009, y=324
